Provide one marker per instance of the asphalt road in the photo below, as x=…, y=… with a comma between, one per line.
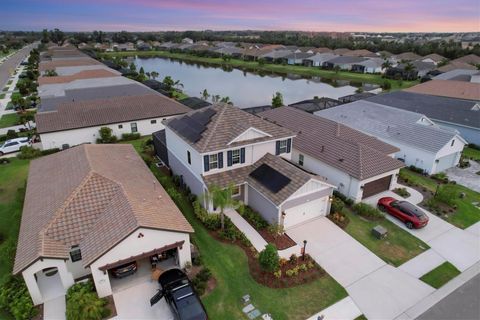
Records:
x=11, y=63
x=462, y=304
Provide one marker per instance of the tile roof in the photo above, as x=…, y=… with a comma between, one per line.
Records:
x=470, y=59
x=449, y=88
x=51, y=65
x=346, y=59
x=90, y=113
x=91, y=203
x=226, y=124
x=298, y=177
x=361, y=53
x=454, y=65
x=453, y=74
x=351, y=151
x=435, y=57
x=408, y=56
x=391, y=124
x=85, y=74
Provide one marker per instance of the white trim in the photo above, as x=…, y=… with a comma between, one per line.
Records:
x=250, y=128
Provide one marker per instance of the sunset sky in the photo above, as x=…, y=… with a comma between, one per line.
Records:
x=308, y=15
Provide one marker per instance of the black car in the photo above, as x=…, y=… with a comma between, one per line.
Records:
x=125, y=270
x=179, y=294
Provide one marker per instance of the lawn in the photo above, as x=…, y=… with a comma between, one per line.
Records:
x=471, y=153
x=278, y=68
x=229, y=267
x=12, y=182
x=440, y=275
x=2, y=95
x=466, y=213
x=399, y=246
x=9, y=120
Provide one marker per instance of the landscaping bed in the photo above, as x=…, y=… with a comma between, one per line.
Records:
x=281, y=241
x=440, y=275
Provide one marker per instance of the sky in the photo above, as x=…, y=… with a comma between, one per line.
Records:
x=305, y=15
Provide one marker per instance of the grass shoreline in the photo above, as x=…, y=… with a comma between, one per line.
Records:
x=267, y=67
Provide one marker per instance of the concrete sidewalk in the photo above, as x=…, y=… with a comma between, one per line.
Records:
x=55, y=309
x=344, y=309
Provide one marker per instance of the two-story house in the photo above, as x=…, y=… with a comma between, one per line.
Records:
x=221, y=145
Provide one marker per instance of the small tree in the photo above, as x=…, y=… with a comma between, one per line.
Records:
x=268, y=258
x=205, y=95
x=222, y=198
x=133, y=67
x=277, y=100
x=226, y=100
x=168, y=82
x=154, y=74
x=142, y=71
x=336, y=68
x=106, y=135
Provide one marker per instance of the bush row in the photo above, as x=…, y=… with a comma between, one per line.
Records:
x=367, y=211
x=253, y=217
x=15, y=299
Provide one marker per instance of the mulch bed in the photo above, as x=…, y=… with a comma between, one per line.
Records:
x=111, y=306
x=211, y=283
x=282, y=242
x=339, y=219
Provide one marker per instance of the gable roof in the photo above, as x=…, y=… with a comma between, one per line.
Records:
x=85, y=74
x=453, y=65
x=357, y=154
x=360, y=53
x=51, y=65
x=408, y=56
x=470, y=59
x=91, y=203
x=449, y=88
x=227, y=123
x=390, y=123
x=434, y=57
x=457, y=74
x=90, y=113
x=437, y=108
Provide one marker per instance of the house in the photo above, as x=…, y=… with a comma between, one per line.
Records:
x=371, y=65
x=341, y=51
x=449, y=88
x=343, y=62
x=400, y=72
x=456, y=114
x=85, y=74
x=276, y=55
x=420, y=141
x=257, y=109
x=318, y=59
x=456, y=65
x=74, y=123
x=433, y=58
x=469, y=58
x=357, y=164
x=361, y=53
x=407, y=56
x=315, y=104
x=235, y=52
x=470, y=43
x=195, y=103
x=297, y=57
x=458, y=75
x=83, y=216
x=355, y=97
x=187, y=41
x=221, y=145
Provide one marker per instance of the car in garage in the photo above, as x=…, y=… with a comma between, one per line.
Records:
x=411, y=215
x=125, y=270
x=14, y=145
x=180, y=296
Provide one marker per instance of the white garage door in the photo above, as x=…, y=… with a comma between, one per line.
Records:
x=309, y=210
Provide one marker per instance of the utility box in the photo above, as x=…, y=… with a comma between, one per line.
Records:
x=379, y=232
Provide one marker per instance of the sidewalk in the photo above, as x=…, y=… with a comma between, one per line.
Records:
x=344, y=309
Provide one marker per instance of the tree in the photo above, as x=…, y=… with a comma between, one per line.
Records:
x=205, y=94
x=268, y=258
x=226, y=100
x=336, y=68
x=25, y=119
x=83, y=303
x=215, y=98
x=141, y=71
x=177, y=84
x=386, y=64
x=277, y=100
x=169, y=83
x=106, y=135
x=409, y=70
x=133, y=67
x=45, y=36
x=154, y=74
x=222, y=198
x=57, y=36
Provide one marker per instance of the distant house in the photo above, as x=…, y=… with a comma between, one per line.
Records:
x=343, y=62
x=277, y=55
x=456, y=65
x=470, y=59
x=399, y=72
x=470, y=43
x=449, y=88
x=433, y=58
x=257, y=109
x=361, y=53
x=371, y=65
x=421, y=67
x=341, y=51
x=187, y=40
x=458, y=75
x=195, y=103
x=407, y=56
x=318, y=59
x=315, y=104
x=297, y=57
x=422, y=143
x=234, y=52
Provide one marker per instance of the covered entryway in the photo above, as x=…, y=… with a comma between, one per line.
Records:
x=376, y=186
x=49, y=283
x=304, y=212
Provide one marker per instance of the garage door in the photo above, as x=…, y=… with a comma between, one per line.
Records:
x=376, y=186
x=309, y=210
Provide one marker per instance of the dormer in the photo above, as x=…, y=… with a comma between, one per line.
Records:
x=250, y=134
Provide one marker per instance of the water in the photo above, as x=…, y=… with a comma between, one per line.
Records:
x=245, y=89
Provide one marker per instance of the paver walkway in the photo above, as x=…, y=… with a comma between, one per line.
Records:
x=55, y=309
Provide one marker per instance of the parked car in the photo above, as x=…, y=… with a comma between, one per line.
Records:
x=179, y=294
x=125, y=270
x=411, y=215
x=13, y=145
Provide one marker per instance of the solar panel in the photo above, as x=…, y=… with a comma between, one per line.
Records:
x=270, y=178
x=191, y=127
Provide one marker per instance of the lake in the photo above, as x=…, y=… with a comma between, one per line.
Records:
x=244, y=88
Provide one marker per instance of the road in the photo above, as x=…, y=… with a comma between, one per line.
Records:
x=11, y=63
x=462, y=304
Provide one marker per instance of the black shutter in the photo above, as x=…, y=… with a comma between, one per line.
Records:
x=242, y=155
x=289, y=145
x=206, y=164
x=220, y=160
x=229, y=158
x=277, y=148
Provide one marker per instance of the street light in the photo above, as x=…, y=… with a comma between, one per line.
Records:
x=304, y=246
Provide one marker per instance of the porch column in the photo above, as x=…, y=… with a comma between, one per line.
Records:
x=184, y=254
x=65, y=276
x=32, y=287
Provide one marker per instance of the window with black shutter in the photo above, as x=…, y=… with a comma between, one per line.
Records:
x=75, y=254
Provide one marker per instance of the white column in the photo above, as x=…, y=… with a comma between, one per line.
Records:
x=32, y=287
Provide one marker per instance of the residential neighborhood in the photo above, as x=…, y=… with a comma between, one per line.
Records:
x=177, y=171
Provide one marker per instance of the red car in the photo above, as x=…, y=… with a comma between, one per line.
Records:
x=409, y=214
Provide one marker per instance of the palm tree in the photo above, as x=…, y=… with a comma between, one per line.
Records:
x=226, y=100
x=386, y=64
x=205, y=94
x=177, y=84
x=222, y=198
x=215, y=98
x=409, y=70
x=154, y=74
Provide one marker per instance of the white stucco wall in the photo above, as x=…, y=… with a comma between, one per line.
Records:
x=133, y=245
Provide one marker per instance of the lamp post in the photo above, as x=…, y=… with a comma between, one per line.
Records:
x=304, y=246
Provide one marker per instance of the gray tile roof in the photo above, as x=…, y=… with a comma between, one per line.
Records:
x=357, y=154
x=391, y=124
x=453, y=74
x=451, y=110
x=77, y=197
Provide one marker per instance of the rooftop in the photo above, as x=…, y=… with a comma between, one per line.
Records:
x=449, y=88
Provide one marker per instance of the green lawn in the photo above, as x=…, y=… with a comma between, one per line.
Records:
x=278, y=68
x=228, y=264
x=8, y=120
x=2, y=95
x=466, y=213
x=12, y=182
x=471, y=153
x=399, y=246
x=440, y=275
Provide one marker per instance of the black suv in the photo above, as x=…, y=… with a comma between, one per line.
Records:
x=179, y=293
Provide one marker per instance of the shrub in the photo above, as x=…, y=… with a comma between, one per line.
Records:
x=303, y=267
x=268, y=258
x=386, y=85
x=29, y=153
x=367, y=211
x=46, y=152
x=205, y=274
x=293, y=258
x=416, y=169
x=253, y=217
x=12, y=134
x=130, y=136
x=210, y=220
x=199, y=286
x=441, y=176
x=337, y=205
x=83, y=303
x=276, y=229
x=15, y=299
x=278, y=274
x=446, y=195
x=106, y=136
x=402, y=192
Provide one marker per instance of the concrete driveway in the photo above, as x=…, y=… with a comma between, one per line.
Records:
x=379, y=290
x=134, y=303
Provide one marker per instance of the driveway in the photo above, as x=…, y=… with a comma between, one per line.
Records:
x=379, y=290
x=134, y=303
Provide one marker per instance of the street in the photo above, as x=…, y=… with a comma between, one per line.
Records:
x=11, y=63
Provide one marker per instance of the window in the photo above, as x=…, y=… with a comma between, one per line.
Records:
x=189, y=157
x=453, y=142
x=120, y=126
x=235, y=156
x=300, y=159
x=283, y=146
x=153, y=121
x=213, y=161
x=75, y=254
x=133, y=125
x=236, y=191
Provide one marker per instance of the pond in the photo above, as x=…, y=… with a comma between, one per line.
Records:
x=245, y=88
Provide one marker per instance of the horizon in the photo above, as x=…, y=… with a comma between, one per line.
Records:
x=343, y=16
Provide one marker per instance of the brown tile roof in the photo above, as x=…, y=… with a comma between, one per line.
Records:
x=85, y=74
x=328, y=141
x=297, y=176
x=322, y=50
x=90, y=113
x=408, y=56
x=435, y=57
x=470, y=59
x=92, y=196
x=449, y=88
x=51, y=65
x=341, y=51
x=226, y=124
x=361, y=53
x=452, y=65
